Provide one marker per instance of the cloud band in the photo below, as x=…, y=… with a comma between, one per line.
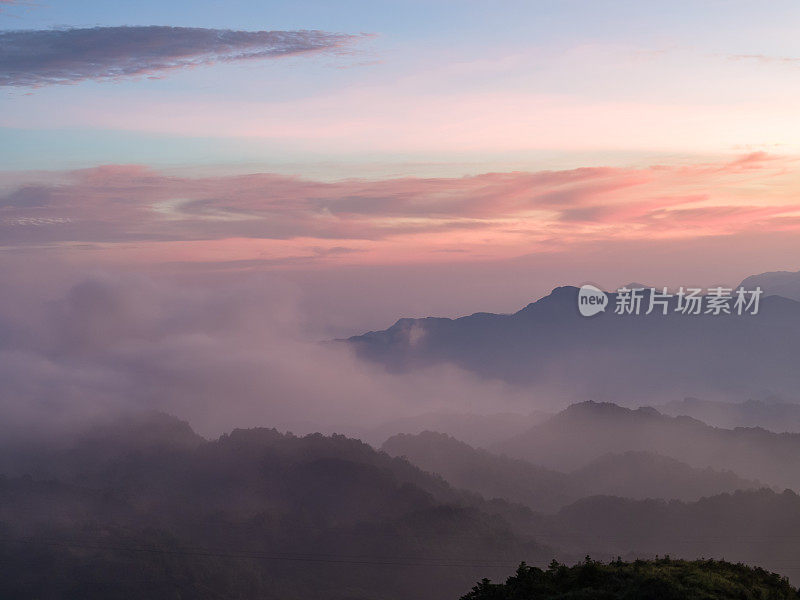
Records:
x=58, y=56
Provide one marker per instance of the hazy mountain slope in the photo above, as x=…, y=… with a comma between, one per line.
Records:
x=642, y=475
x=775, y=416
x=491, y=475
x=101, y=442
x=582, y=432
x=632, y=474
x=475, y=429
x=261, y=514
x=245, y=516
x=549, y=346
x=756, y=527
x=781, y=283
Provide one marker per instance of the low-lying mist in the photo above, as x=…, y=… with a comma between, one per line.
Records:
x=87, y=345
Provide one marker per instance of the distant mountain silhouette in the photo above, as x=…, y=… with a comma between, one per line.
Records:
x=475, y=429
x=623, y=358
x=632, y=474
x=578, y=435
x=144, y=508
x=102, y=442
x=775, y=416
x=641, y=475
x=780, y=283
x=489, y=474
x=131, y=510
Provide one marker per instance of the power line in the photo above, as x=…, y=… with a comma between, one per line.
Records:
x=302, y=557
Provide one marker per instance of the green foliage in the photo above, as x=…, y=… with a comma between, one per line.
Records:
x=659, y=579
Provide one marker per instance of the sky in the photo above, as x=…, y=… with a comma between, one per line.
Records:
x=388, y=159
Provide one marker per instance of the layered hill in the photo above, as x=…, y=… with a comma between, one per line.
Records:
x=147, y=509
x=479, y=430
x=755, y=527
x=631, y=474
x=772, y=415
x=641, y=475
x=491, y=475
x=580, y=434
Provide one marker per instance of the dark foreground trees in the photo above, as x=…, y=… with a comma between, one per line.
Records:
x=660, y=579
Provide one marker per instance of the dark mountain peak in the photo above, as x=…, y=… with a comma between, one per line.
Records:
x=444, y=446
x=478, y=470
x=770, y=276
x=592, y=405
x=593, y=409
x=577, y=435
x=476, y=429
x=425, y=436
x=635, y=467
x=563, y=294
x=142, y=430
x=637, y=474
x=255, y=436
x=770, y=414
x=560, y=292
x=667, y=353
x=781, y=283
x=124, y=438
x=408, y=322
x=250, y=442
x=687, y=420
x=613, y=415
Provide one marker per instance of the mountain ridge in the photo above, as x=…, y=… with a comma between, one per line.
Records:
x=754, y=453
x=549, y=348
x=636, y=475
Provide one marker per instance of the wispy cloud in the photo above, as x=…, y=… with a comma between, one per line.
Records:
x=766, y=59
x=58, y=56
x=5, y=3
x=266, y=219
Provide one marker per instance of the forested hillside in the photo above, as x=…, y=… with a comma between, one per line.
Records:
x=662, y=579
x=144, y=508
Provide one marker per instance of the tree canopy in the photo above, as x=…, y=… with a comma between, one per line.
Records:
x=659, y=579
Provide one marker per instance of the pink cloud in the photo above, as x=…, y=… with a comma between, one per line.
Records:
x=265, y=219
